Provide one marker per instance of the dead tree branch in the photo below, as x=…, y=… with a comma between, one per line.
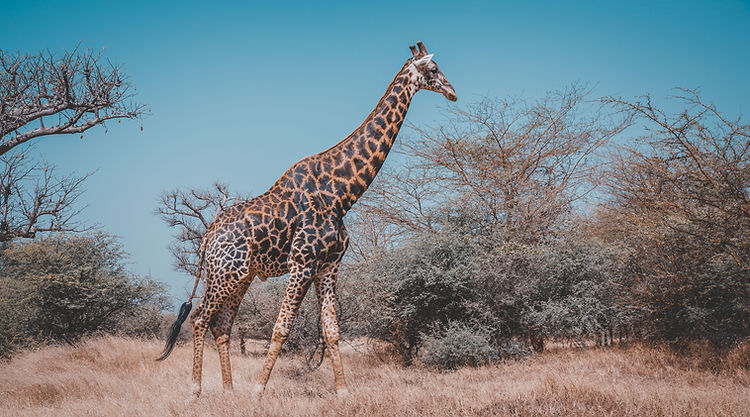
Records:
x=34, y=199
x=191, y=213
x=47, y=94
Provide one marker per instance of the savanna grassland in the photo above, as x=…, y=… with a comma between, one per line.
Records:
x=113, y=376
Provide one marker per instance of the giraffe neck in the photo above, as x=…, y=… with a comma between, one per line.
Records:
x=357, y=159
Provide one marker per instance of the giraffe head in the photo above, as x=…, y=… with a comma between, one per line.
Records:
x=429, y=76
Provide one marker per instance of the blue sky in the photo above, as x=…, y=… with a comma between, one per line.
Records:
x=240, y=91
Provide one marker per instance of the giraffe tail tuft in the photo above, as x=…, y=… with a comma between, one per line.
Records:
x=174, y=331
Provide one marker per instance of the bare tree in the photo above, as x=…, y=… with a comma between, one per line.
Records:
x=34, y=199
x=505, y=166
x=692, y=171
x=47, y=94
x=191, y=212
x=680, y=198
x=400, y=201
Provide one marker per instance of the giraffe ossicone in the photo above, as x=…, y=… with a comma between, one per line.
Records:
x=297, y=227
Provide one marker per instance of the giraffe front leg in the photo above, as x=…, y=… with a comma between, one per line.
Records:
x=325, y=290
x=299, y=283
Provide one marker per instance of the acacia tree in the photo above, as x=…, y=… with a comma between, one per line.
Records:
x=47, y=94
x=680, y=196
x=499, y=171
x=507, y=167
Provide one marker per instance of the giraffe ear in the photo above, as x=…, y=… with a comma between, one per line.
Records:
x=421, y=61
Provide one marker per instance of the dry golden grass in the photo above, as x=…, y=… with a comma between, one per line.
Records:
x=118, y=377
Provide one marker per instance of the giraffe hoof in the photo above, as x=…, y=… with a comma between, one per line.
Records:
x=257, y=391
x=196, y=391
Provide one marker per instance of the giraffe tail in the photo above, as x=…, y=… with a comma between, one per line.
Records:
x=174, y=330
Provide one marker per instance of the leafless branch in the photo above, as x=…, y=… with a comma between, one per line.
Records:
x=34, y=199
x=191, y=213
x=47, y=94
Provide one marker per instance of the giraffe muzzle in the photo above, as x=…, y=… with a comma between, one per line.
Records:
x=449, y=92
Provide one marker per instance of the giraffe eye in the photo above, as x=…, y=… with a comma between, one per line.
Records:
x=434, y=70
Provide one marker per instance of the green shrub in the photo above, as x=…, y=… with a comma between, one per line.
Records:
x=62, y=288
x=456, y=345
x=424, y=284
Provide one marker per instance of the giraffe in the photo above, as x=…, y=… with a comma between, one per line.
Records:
x=296, y=227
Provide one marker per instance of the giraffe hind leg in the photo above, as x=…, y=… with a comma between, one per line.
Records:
x=199, y=323
x=211, y=303
x=221, y=328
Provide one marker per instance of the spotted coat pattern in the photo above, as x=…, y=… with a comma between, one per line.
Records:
x=297, y=227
